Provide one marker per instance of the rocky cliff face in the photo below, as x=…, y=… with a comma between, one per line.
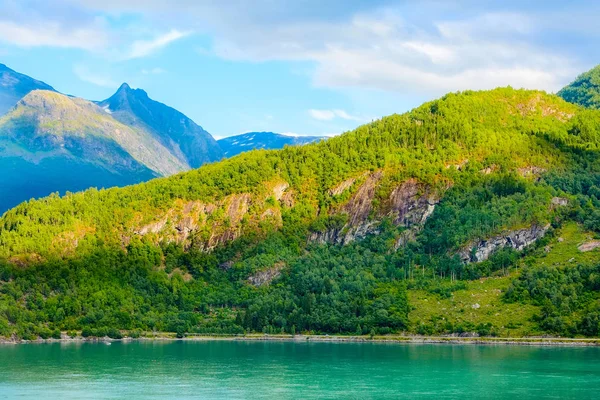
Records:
x=265, y=276
x=408, y=205
x=208, y=225
x=517, y=239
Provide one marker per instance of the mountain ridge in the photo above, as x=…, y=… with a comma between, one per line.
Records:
x=14, y=86
x=233, y=145
x=44, y=131
x=187, y=140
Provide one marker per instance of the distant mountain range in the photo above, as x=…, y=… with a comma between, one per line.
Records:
x=234, y=145
x=51, y=142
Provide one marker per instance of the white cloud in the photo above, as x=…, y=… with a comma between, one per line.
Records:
x=402, y=47
x=144, y=48
x=380, y=50
x=51, y=34
x=322, y=115
x=328, y=115
x=84, y=74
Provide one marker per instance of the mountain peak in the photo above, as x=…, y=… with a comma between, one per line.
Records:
x=124, y=87
x=125, y=92
x=176, y=131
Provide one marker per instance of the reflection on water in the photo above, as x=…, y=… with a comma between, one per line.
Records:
x=239, y=370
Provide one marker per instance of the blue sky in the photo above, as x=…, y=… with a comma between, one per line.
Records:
x=306, y=67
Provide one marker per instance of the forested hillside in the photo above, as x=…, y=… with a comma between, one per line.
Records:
x=473, y=213
x=585, y=90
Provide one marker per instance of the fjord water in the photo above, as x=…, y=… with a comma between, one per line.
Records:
x=278, y=370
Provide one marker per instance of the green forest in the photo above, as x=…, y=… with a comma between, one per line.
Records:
x=125, y=262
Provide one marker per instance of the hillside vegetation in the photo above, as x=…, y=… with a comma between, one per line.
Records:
x=585, y=90
x=355, y=234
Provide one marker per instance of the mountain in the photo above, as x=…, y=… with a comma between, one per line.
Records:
x=235, y=145
x=182, y=136
x=585, y=90
x=50, y=142
x=14, y=86
x=472, y=214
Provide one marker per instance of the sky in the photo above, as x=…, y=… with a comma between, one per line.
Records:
x=306, y=67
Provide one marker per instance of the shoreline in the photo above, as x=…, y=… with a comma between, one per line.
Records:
x=391, y=339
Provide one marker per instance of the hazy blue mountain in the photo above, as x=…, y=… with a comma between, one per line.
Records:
x=14, y=86
x=182, y=136
x=261, y=140
x=50, y=142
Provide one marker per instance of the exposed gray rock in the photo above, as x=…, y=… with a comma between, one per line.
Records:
x=409, y=205
x=342, y=187
x=589, y=246
x=531, y=171
x=154, y=227
x=559, y=201
x=279, y=190
x=412, y=203
x=265, y=277
x=226, y=266
x=517, y=239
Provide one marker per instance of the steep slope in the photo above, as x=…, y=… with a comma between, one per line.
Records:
x=235, y=145
x=464, y=195
x=182, y=136
x=585, y=90
x=14, y=86
x=53, y=143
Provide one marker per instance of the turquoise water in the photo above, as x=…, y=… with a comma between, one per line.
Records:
x=274, y=370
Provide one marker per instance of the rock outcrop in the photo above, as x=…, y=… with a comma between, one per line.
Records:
x=559, y=202
x=208, y=225
x=589, y=246
x=265, y=277
x=517, y=239
x=409, y=205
